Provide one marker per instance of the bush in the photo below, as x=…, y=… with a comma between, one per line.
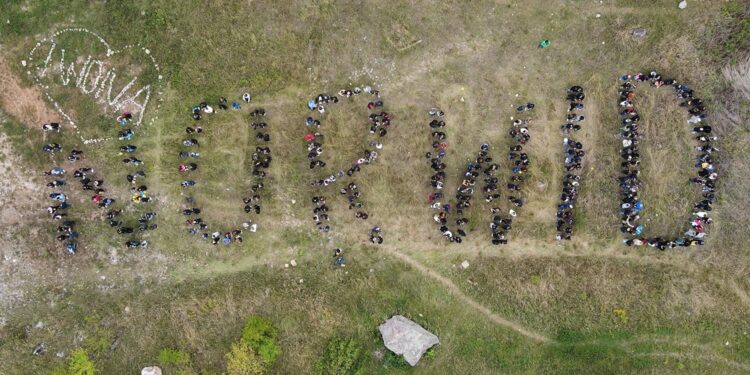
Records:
x=176, y=357
x=241, y=360
x=394, y=361
x=260, y=335
x=342, y=357
x=78, y=364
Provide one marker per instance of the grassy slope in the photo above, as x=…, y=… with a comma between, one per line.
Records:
x=484, y=53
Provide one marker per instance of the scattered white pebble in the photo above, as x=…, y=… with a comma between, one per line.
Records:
x=286, y=265
x=23, y=62
x=602, y=42
x=465, y=264
x=462, y=99
x=726, y=343
x=420, y=315
x=301, y=281
x=683, y=4
x=294, y=201
x=372, y=270
x=293, y=263
x=39, y=325
x=598, y=15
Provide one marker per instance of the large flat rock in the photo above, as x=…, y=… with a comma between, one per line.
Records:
x=403, y=336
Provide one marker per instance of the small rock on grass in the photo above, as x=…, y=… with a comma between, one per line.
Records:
x=639, y=33
x=465, y=264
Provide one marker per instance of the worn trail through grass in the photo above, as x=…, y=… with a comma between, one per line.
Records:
x=456, y=291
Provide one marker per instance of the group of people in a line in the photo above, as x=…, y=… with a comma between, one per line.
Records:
x=260, y=160
x=631, y=206
x=483, y=167
x=89, y=182
x=377, y=127
x=573, y=153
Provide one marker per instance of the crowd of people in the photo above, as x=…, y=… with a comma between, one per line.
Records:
x=89, y=182
x=189, y=155
x=58, y=210
x=377, y=127
x=631, y=205
x=573, y=152
x=484, y=167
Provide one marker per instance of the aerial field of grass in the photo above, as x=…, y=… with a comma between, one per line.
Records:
x=534, y=305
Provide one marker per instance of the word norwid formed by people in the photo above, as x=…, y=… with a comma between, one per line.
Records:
x=380, y=121
x=90, y=73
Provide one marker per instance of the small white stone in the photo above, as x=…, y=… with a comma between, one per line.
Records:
x=286, y=265
x=294, y=201
x=683, y=4
x=23, y=62
x=598, y=15
x=301, y=281
x=293, y=263
x=465, y=264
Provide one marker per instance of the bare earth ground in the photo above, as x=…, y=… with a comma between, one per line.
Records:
x=468, y=99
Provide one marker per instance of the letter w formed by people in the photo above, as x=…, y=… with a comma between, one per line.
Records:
x=480, y=174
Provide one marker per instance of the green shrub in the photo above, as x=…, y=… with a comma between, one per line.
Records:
x=241, y=360
x=78, y=364
x=343, y=356
x=260, y=335
x=394, y=361
x=176, y=357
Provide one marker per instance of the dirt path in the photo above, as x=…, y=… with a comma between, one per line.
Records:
x=454, y=289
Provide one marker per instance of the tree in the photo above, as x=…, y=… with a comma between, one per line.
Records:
x=260, y=335
x=241, y=360
x=78, y=364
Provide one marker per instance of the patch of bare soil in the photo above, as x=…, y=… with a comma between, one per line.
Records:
x=20, y=205
x=24, y=103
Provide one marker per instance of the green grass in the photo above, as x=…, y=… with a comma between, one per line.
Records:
x=183, y=302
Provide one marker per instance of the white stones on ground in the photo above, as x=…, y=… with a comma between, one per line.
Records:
x=465, y=264
x=683, y=4
x=403, y=336
x=293, y=263
x=639, y=33
x=152, y=370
